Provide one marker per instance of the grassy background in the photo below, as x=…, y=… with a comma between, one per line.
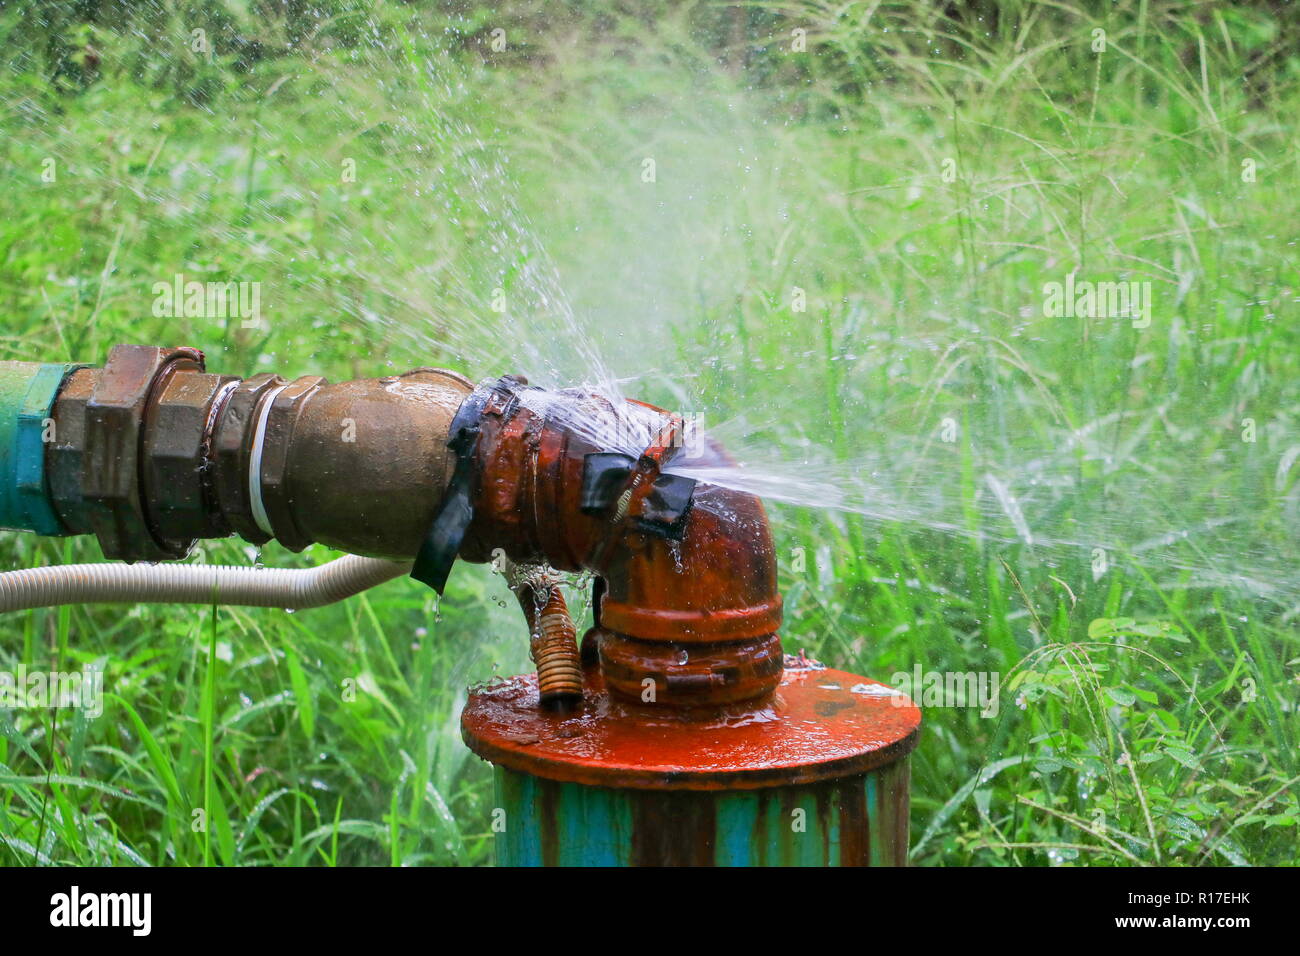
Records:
x=920, y=172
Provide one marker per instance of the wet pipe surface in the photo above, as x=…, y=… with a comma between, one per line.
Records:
x=820, y=724
x=858, y=820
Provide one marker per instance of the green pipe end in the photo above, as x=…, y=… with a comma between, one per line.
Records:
x=27, y=393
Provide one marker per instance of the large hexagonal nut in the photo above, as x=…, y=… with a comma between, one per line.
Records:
x=110, y=466
x=177, y=494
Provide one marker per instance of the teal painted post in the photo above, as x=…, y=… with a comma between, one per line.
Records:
x=850, y=821
x=27, y=393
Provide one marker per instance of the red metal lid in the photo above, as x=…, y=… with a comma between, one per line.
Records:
x=818, y=725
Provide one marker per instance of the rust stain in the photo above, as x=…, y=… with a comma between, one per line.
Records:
x=673, y=829
x=855, y=825
x=829, y=708
x=548, y=799
x=759, y=838
x=825, y=820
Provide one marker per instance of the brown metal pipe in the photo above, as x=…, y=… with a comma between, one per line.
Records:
x=359, y=466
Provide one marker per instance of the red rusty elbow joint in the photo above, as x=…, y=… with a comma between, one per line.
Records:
x=687, y=613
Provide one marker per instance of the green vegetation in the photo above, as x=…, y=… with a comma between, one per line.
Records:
x=1102, y=511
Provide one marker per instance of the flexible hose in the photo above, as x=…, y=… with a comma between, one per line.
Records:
x=292, y=589
x=554, y=649
x=553, y=643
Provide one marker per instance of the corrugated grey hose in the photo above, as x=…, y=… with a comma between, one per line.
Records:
x=287, y=588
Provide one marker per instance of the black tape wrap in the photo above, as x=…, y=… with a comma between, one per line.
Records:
x=442, y=542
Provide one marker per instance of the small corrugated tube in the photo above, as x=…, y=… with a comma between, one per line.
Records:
x=289, y=588
x=553, y=643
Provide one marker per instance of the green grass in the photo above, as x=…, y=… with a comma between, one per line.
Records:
x=1149, y=708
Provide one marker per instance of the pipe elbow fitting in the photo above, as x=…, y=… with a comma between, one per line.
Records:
x=687, y=606
x=695, y=620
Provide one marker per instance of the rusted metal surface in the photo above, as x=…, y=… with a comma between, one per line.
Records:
x=820, y=724
x=690, y=674
x=278, y=457
x=232, y=446
x=153, y=453
x=360, y=465
x=817, y=776
x=553, y=640
x=715, y=585
x=553, y=646
x=64, y=455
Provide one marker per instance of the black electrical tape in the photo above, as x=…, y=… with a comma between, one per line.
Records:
x=604, y=476
x=665, y=508
x=442, y=541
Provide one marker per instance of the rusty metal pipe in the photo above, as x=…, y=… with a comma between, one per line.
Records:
x=359, y=466
x=152, y=452
x=688, y=619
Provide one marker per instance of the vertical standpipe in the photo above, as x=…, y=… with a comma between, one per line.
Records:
x=816, y=776
x=852, y=821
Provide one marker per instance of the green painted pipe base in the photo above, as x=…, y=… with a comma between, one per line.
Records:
x=848, y=821
x=27, y=393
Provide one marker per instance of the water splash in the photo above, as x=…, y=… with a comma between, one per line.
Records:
x=502, y=306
